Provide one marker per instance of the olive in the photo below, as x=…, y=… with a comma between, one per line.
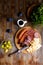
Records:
x=6, y=50
x=2, y=46
x=10, y=47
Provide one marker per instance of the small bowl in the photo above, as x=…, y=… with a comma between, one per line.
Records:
x=29, y=10
x=2, y=50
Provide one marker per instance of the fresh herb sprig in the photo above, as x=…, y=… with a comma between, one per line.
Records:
x=37, y=15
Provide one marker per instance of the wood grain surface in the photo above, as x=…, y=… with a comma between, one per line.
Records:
x=10, y=8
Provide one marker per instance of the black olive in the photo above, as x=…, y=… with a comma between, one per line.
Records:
x=19, y=14
x=8, y=30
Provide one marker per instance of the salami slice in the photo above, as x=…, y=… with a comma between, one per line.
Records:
x=31, y=32
x=28, y=40
x=36, y=35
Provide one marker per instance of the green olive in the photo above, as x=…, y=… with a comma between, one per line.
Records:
x=10, y=47
x=2, y=46
x=7, y=46
x=5, y=43
x=9, y=42
x=6, y=50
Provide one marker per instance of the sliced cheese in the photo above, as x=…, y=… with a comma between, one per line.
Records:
x=35, y=45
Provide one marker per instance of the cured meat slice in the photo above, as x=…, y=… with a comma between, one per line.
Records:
x=36, y=35
x=28, y=40
x=31, y=32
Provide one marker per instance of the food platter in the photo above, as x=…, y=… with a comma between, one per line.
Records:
x=17, y=41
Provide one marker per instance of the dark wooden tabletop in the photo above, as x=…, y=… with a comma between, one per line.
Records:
x=10, y=9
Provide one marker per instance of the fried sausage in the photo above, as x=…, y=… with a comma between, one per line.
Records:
x=22, y=33
x=23, y=37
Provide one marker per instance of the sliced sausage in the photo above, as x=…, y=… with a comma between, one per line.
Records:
x=22, y=33
x=23, y=37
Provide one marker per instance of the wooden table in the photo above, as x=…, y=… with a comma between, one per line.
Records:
x=10, y=9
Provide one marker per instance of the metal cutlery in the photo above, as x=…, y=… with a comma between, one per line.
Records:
x=18, y=50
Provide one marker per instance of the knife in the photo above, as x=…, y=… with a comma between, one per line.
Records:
x=18, y=50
